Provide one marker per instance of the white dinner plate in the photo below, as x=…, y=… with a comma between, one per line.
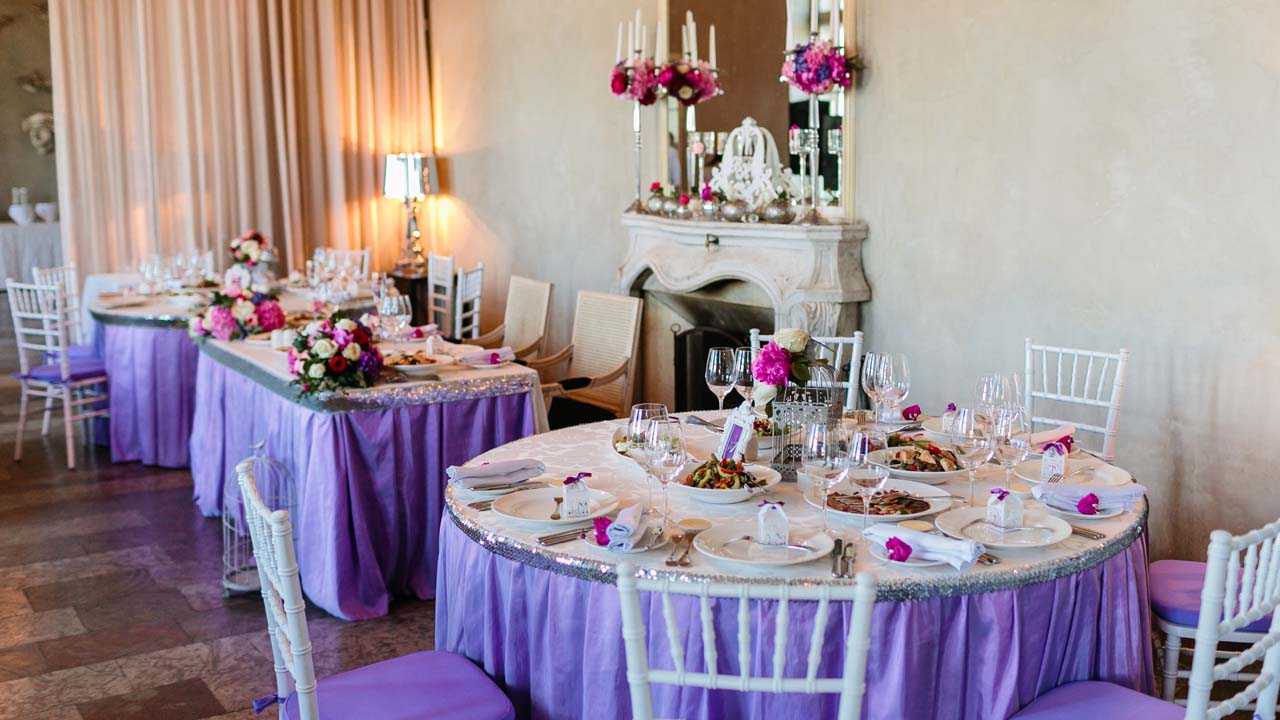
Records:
x=1099, y=473
x=536, y=506
x=488, y=366
x=440, y=361
x=770, y=477
x=881, y=458
x=725, y=544
x=879, y=552
x=939, y=500
x=1040, y=529
x=1077, y=515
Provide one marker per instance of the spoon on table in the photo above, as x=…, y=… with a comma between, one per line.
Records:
x=555, y=514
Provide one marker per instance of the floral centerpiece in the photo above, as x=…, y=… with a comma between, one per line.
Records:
x=780, y=361
x=690, y=82
x=817, y=67
x=334, y=353
x=249, y=247
x=638, y=81
x=234, y=313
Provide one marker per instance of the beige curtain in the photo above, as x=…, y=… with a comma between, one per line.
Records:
x=182, y=123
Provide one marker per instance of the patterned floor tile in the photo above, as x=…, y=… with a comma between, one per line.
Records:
x=33, y=627
x=117, y=642
x=186, y=700
x=35, y=532
x=91, y=590
x=22, y=661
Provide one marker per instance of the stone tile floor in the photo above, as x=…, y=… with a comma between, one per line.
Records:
x=110, y=603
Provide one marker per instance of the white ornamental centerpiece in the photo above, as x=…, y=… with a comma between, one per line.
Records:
x=750, y=170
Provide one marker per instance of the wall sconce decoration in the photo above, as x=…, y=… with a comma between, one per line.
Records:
x=409, y=178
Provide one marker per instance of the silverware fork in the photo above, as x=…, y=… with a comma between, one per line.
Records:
x=1087, y=533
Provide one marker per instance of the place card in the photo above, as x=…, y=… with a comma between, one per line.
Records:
x=1053, y=462
x=739, y=427
x=772, y=526
x=577, y=496
x=1004, y=509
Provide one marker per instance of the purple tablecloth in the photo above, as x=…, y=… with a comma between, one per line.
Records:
x=370, y=484
x=151, y=375
x=554, y=642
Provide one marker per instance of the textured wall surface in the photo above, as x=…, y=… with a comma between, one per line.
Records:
x=24, y=47
x=535, y=152
x=1095, y=173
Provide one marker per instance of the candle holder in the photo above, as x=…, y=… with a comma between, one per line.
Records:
x=835, y=146
x=635, y=79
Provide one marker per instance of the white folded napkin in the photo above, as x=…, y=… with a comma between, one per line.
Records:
x=1044, y=437
x=495, y=473
x=959, y=554
x=1065, y=496
x=489, y=357
x=627, y=529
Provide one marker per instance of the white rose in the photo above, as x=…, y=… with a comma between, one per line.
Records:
x=249, y=246
x=316, y=371
x=351, y=352
x=345, y=324
x=242, y=310
x=762, y=394
x=324, y=348
x=792, y=339
x=254, y=254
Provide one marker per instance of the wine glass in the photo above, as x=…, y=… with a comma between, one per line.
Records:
x=991, y=392
x=826, y=461
x=394, y=313
x=895, y=382
x=642, y=416
x=872, y=381
x=668, y=456
x=720, y=373
x=867, y=477
x=743, y=380
x=1010, y=434
x=973, y=445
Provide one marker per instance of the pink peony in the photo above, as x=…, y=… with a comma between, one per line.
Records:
x=772, y=365
x=222, y=324
x=618, y=80
x=1088, y=505
x=270, y=315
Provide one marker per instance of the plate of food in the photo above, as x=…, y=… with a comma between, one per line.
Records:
x=1039, y=529
x=415, y=362
x=897, y=500
x=723, y=482
x=921, y=460
x=733, y=543
x=538, y=506
x=1084, y=471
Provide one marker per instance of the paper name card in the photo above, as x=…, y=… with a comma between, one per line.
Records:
x=739, y=427
x=1004, y=509
x=1053, y=462
x=577, y=500
x=772, y=526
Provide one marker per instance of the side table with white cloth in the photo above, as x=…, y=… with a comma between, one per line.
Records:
x=23, y=247
x=543, y=619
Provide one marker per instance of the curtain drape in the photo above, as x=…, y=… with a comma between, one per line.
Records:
x=181, y=124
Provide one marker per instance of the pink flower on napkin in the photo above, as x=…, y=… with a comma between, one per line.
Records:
x=951, y=407
x=1000, y=493
x=898, y=549
x=772, y=365
x=1088, y=505
x=911, y=412
x=575, y=478
x=494, y=358
x=601, y=525
x=1063, y=444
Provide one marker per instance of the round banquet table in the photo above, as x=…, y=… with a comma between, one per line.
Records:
x=979, y=643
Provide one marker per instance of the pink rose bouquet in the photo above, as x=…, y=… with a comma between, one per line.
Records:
x=638, y=81
x=818, y=67
x=234, y=313
x=248, y=248
x=334, y=353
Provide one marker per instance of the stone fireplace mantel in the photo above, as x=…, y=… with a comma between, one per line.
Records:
x=812, y=274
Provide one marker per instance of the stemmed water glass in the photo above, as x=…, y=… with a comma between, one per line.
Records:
x=895, y=383
x=668, y=456
x=973, y=444
x=872, y=381
x=642, y=416
x=743, y=380
x=1010, y=435
x=867, y=477
x=826, y=461
x=394, y=313
x=720, y=373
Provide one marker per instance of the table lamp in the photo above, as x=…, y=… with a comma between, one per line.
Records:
x=409, y=178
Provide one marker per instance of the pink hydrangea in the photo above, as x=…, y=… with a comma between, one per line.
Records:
x=772, y=365
x=222, y=324
x=270, y=315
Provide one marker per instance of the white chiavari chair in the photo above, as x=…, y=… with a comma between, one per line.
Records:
x=41, y=325
x=850, y=686
x=524, y=322
x=435, y=684
x=601, y=355
x=440, y=279
x=1241, y=588
x=844, y=354
x=1085, y=378
x=67, y=279
x=466, y=305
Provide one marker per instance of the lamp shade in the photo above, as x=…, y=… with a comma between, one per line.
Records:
x=406, y=177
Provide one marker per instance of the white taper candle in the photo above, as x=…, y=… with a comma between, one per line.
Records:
x=644, y=39
x=619, y=53
x=836, y=38
x=684, y=40
x=693, y=36
x=660, y=43
x=637, y=28
x=631, y=38
x=711, y=40
x=813, y=17
x=786, y=43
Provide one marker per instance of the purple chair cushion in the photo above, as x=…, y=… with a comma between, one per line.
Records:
x=1098, y=701
x=437, y=685
x=1175, y=594
x=80, y=369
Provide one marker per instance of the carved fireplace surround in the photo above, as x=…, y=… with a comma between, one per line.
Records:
x=812, y=274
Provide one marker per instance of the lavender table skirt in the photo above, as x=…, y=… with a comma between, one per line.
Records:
x=151, y=375
x=554, y=642
x=370, y=483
